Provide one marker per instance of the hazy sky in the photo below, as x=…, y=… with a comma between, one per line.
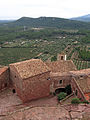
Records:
x=14, y=9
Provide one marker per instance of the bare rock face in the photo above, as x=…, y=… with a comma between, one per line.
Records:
x=11, y=108
x=40, y=113
x=71, y=112
x=78, y=112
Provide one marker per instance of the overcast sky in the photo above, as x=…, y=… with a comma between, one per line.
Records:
x=14, y=9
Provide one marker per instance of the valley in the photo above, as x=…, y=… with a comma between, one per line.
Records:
x=20, y=43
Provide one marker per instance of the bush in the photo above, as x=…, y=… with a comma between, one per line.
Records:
x=75, y=101
x=61, y=96
x=54, y=58
x=86, y=102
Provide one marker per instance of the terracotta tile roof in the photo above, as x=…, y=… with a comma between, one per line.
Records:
x=3, y=70
x=61, y=66
x=52, y=74
x=30, y=68
x=83, y=79
x=83, y=71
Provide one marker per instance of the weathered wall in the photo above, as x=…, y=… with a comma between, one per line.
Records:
x=4, y=77
x=55, y=84
x=87, y=95
x=15, y=78
x=36, y=87
x=75, y=87
x=88, y=81
x=16, y=81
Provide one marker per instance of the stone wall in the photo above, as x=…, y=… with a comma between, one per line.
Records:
x=4, y=78
x=15, y=78
x=16, y=81
x=59, y=82
x=35, y=87
x=77, y=90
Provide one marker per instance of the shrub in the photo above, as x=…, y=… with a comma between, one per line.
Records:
x=61, y=96
x=54, y=58
x=86, y=102
x=75, y=101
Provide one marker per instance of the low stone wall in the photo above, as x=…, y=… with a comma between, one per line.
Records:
x=67, y=100
x=76, y=87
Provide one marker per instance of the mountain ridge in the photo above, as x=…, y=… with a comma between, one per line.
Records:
x=53, y=22
x=85, y=18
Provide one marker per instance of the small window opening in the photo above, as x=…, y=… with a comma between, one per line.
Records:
x=60, y=82
x=81, y=75
x=14, y=91
x=15, y=76
x=76, y=92
x=61, y=57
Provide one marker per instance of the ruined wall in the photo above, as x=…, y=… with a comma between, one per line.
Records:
x=77, y=90
x=4, y=77
x=36, y=87
x=87, y=95
x=59, y=82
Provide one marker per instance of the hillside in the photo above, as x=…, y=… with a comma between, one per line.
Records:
x=85, y=18
x=49, y=22
x=6, y=21
x=43, y=38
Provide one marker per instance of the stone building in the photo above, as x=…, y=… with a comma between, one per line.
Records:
x=62, y=56
x=59, y=81
x=59, y=74
x=61, y=66
x=30, y=79
x=34, y=79
x=4, y=77
x=81, y=83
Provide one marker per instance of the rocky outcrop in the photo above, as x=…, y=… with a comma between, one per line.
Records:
x=66, y=112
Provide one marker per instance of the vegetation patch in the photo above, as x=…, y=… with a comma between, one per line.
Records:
x=75, y=101
x=61, y=95
x=84, y=55
x=54, y=58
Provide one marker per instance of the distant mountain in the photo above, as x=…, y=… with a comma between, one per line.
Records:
x=85, y=18
x=50, y=22
x=6, y=21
